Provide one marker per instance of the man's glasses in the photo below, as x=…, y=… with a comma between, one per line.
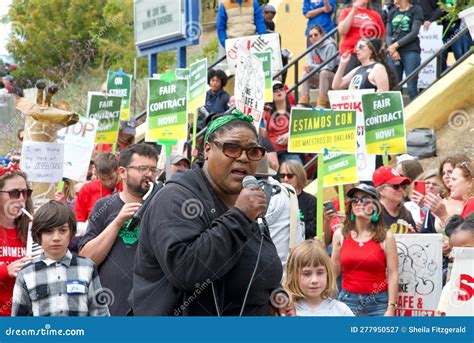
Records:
x=286, y=175
x=234, y=150
x=363, y=200
x=316, y=35
x=15, y=193
x=145, y=169
x=278, y=89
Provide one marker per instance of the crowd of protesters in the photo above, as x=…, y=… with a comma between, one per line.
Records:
x=207, y=245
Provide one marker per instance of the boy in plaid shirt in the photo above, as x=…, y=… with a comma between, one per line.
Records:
x=59, y=283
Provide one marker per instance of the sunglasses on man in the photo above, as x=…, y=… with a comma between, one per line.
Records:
x=15, y=193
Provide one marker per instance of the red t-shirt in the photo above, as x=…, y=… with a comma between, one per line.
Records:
x=366, y=23
x=11, y=249
x=363, y=267
x=468, y=208
x=88, y=196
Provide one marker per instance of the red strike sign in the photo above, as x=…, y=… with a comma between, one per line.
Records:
x=466, y=289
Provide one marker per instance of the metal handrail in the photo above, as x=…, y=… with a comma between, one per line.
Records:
x=437, y=54
x=312, y=72
x=304, y=53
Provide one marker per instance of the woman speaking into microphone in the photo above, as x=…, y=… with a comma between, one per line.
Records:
x=201, y=252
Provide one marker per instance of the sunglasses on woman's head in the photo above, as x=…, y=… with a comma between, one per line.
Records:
x=286, y=175
x=234, y=150
x=359, y=46
x=464, y=166
x=15, y=193
x=363, y=200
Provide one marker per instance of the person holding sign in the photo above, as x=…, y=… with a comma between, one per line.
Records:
x=14, y=195
x=366, y=255
x=373, y=71
x=277, y=123
x=108, y=240
x=200, y=233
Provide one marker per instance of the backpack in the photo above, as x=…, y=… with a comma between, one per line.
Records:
x=421, y=143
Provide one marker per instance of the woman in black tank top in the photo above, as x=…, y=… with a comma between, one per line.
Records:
x=373, y=72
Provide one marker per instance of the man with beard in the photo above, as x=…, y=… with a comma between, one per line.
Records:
x=108, y=242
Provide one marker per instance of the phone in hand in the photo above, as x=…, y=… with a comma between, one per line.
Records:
x=328, y=206
x=420, y=187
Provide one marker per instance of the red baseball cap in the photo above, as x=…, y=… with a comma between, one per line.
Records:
x=388, y=176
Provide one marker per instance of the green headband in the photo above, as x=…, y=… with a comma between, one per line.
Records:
x=221, y=121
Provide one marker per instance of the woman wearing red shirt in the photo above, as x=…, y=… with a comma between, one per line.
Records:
x=14, y=195
x=366, y=254
x=357, y=22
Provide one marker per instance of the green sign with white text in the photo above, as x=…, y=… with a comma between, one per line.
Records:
x=339, y=169
x=266, y=58
x=167, y=110
x=120, y=84
x=384, y=123
x=197, y=84
x=106, y=109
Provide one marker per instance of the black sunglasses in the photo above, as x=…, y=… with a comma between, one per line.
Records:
x=15, y=193
x=234, y=150
x=397, y=187
x=364, y=200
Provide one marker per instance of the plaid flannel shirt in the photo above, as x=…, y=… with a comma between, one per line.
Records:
x=69, y=287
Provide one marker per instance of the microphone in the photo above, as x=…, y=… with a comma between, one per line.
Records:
x=146, y=201
x=250, y=182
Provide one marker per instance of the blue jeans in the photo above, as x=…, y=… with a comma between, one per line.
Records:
x=373, y=304
x=459, y=48
x=409, y=61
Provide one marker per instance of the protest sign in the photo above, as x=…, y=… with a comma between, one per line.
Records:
x=317, y=130
x=460, y=291
x=197, y=84
x=120, y=84
x=384, y=123
x=352, y=100
x=167, y=109
x=181, y=73
x=420, y=273
x=339, y=169
x=42, y=161
x=430, y=42
x=266, y=60
x=105, y=109
x=249, y=85
x=269, y=42
x=78, y=143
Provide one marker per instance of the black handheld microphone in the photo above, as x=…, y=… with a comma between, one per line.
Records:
x=250, y=182
x=147, y=200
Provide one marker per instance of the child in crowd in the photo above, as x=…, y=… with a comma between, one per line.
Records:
x=311, y=281
x=59, y=284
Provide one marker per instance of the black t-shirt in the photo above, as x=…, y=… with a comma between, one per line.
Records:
x=398, y=224
x=404, y=27
x=307, y=205
x=116, y=270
